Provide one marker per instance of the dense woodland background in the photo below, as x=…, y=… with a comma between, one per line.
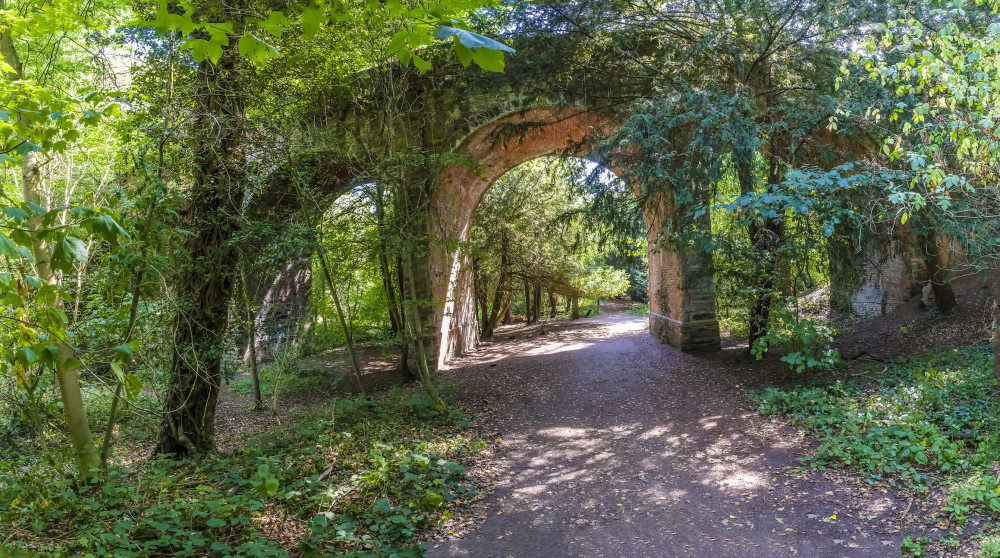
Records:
x=144, y=144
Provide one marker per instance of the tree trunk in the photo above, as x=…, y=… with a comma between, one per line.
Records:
x=766, y=235
x=416, y=331
x=937, y=273
x=477, y=295
x=258, y=400
x=343, y=323
x=552, y=305
x=88, y=460
x=396, y=322
x=537, y=302
x=77, y=423
x=498, y=295
x=405, y=347
x=506, y=319
x=527, y=303
x=575, y=305
x=133, y=314
x=205, y=280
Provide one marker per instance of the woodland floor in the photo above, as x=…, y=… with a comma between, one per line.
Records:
x=605, y=442
x=612, y=444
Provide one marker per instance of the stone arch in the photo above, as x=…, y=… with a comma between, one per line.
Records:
x=681, y=285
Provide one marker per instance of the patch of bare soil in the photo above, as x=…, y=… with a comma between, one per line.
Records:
x=612, y=444
x=912, y=329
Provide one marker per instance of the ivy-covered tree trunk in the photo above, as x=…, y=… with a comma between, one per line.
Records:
x=205, y=281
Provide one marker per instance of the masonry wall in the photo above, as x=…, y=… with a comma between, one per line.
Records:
x=682, y=298
x=681, y=293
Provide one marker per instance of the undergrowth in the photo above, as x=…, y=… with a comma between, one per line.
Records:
x=298, y=380
x=928, y=423
x=639, y=309
x=360, y=478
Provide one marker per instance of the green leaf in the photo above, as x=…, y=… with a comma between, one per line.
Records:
x=489, y=60
x=49, y=356
x=119, y=373
x=255, y=49
x=124, y=354
x=47, y=293
x=202, y=49
x=68, y=253
x=16, y=213
x=421, y=64
x=276, y=23
x=433, y=499
x=20, y=237
x=464, y=54
x=107, y=228
x=27, y=147
x=133, y=385
x=473, y=41
x=26, y=356
x=215, y=523
x=312, y=18
x=35, y=208
x=7, y=248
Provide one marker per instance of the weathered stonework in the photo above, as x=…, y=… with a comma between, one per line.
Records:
x=681, y=286
x=891, y=279
x=486, y=125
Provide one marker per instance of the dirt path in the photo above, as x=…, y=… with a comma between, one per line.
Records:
x=616, y=445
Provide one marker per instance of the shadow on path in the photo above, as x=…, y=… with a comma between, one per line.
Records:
x=616, y=445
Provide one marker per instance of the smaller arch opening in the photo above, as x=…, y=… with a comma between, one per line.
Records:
x=540, y=248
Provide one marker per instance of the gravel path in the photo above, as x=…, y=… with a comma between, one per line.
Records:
x=616, y=445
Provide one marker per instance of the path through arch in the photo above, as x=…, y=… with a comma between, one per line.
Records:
x=682, y=300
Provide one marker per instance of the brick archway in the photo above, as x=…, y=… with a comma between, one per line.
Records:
x=681, y=285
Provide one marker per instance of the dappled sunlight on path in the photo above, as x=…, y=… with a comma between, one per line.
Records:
x=616, y=445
